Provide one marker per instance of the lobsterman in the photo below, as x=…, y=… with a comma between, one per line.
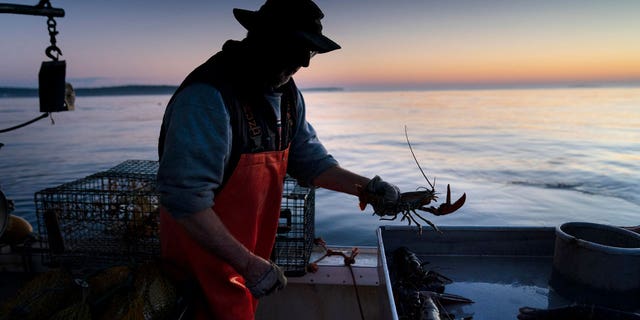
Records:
x=230, y=133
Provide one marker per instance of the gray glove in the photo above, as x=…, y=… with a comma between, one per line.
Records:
x=271, y=280
x=382, y=196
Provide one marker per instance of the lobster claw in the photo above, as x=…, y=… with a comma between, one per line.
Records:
x=447, y=207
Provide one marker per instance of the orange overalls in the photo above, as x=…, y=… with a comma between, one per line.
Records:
x=249, y=206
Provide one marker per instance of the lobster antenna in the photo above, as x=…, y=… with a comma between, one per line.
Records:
x=416, y=160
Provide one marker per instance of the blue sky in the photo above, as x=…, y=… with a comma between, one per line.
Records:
x=400, y=43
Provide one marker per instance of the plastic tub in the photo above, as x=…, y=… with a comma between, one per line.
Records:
x=597, y=256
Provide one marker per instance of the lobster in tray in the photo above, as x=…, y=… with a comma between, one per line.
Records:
x=411, y=201
x=419, y=293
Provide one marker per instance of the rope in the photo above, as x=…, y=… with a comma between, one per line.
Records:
x=355, y=287
x=44, y=115
x=348, y=262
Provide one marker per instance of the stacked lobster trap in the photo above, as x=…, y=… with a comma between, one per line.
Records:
x=295, y=235
x=112, y=217
x=106, y=218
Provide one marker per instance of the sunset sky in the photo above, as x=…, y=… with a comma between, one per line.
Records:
x=386, y=43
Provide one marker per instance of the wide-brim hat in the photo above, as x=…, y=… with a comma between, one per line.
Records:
x=297, y=18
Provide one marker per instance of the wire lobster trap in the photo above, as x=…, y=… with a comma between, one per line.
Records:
x=295, y=235
x=112, y=217
x=106, y=218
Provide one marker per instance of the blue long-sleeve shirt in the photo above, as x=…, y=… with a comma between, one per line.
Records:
x=197, y=148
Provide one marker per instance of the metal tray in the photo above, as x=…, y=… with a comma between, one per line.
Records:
x=500, y=268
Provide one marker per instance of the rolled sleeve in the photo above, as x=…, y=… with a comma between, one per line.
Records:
x=196, y=150
x=308, y=158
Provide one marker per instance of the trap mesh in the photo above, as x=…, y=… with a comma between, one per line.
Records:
x=108, y=217
x=294, y=239
x=112, y=217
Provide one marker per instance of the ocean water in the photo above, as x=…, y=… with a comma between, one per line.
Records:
x=535, y=157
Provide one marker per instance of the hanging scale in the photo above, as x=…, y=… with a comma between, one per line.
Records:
x=55, y=94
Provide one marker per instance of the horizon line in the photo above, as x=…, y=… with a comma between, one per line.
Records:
x=406, y=87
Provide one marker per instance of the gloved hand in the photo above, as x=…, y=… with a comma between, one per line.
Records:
x=382, y=196
x=273, y=279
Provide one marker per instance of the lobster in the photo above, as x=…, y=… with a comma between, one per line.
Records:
x=411, y=201
x=420, y=293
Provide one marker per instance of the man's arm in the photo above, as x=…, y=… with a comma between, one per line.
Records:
x=338, y=179
x=382, y=196
x=207, y=229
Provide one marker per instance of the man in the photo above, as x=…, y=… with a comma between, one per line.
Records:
x=230, y=133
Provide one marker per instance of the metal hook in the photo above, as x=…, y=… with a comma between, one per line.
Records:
x=49, y=53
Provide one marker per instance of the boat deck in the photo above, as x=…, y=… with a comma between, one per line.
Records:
x=329, y=293
x=500, y=268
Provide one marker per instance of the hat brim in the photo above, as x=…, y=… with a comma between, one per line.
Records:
x=318, y=42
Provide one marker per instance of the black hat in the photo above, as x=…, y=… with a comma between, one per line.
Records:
x=300, y=18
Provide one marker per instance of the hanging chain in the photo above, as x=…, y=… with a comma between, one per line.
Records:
x=51, y=27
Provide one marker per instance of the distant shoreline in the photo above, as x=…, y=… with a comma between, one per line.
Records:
x=17, y=92
x=14, y=92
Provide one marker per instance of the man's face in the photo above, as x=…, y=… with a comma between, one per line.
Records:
x=285, y=61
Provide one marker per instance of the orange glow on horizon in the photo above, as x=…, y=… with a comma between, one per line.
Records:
x=476, y=69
